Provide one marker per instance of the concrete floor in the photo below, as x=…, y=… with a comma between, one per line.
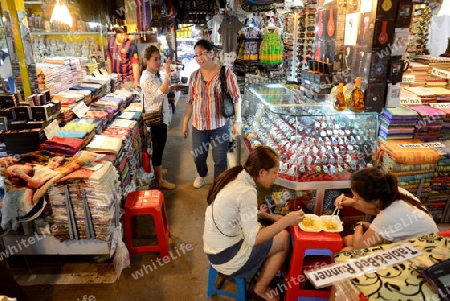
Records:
x=183, y=278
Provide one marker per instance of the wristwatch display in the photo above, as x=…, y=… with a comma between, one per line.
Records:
x=315, y=142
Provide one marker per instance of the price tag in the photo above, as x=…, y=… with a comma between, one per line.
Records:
x=80, y=109
x=433, y=144
x=410, y=101
x=408, y=78
x=412, y=145
x=422, y=145
x=442, y=105
x=440, y=73
x=51, y=129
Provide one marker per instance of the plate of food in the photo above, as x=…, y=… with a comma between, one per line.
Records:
x=310, y=223
x=331, y=223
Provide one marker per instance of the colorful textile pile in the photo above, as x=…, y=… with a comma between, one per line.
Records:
x=428, y=126
x=438, y=200
x=412, y=163
x=397, y=123
x=101, y=196
x=27, y=179
x=63, y=145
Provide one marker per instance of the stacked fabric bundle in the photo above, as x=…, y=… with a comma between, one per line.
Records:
x=445, y=129
x=111, y=147
x=442, y=94
x=103, y=80
x=99, y=124
x=411, y=162
x=428, y=126
x=63, y=145
x=55, y=78
x=425, y=94
x=397, y=123
x=83, y=131
x=68, y=100
x=96, y=89
x=92, y=198
x=438, y=200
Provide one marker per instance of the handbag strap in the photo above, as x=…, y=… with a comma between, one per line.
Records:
x=223, y=80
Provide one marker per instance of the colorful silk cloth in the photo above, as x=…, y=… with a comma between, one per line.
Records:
x=28, y=177
x=403, y=281
x=394, y=149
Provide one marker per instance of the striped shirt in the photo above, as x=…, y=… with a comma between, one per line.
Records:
x=122, y=57
x=205, y=99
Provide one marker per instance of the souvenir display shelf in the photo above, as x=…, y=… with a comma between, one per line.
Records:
x=319, y=146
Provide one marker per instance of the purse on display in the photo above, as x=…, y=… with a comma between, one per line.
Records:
x=226, y=101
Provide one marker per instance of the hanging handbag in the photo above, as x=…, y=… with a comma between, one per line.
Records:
x=154, y=118
x=226, y=100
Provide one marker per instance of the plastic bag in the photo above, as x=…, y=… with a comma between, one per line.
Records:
x=122, y=257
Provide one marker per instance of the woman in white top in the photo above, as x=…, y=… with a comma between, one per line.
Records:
x=399, y=214
x=233, y=240
x=154, y=92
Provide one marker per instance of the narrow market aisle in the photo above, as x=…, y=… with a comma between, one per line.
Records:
x=184, y=277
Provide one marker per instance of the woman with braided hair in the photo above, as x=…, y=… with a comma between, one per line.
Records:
x=399, y=214
x=233, y=240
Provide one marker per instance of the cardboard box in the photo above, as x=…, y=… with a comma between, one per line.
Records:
x=22, y=112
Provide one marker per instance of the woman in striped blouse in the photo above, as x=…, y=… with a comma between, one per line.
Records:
x=209, y=127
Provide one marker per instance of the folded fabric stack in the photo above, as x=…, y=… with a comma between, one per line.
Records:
x=106, y=81
x=442, y=94
x=438, y=200
x=83, y=131
x=62, y=145
x=397, y=123
x=129, y=160
x=445, y=129
x=97, y=211
x=99, y=124
x=428, y=126
x=412, y=163
x=129, y=96
x=68, y=100
x=425, y=94
x=96, y=90
x=111, y=147
x=100, y=118
x=55, y=78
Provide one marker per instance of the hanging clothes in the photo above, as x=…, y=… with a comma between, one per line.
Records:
x=228, y=31
x=271, y=48
x=214, y=24
x=249, y=46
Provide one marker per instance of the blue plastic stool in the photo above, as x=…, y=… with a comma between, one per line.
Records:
x=240, y=286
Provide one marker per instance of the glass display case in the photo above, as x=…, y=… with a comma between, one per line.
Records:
x=319, y=146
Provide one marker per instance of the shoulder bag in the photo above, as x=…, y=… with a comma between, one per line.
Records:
x=226, y=100
x=154, y=118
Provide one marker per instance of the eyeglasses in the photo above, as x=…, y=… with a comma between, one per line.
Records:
x=200, y=54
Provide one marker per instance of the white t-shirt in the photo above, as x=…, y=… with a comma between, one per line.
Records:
x=235, y=213
x=402, y=221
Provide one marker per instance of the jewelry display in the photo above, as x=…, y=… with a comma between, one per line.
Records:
x=315, y=142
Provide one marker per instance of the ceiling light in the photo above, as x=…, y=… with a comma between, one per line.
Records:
x=61, y=13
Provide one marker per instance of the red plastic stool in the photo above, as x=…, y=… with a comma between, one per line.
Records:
x=146, y=202
x=308, y=244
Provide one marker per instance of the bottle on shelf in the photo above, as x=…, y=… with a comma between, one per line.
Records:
x=340, y=103
x=357, y=97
